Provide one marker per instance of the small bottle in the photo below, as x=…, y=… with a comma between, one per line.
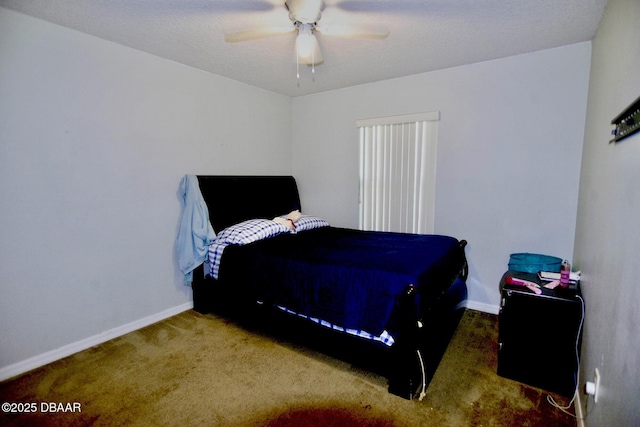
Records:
x=565, y=271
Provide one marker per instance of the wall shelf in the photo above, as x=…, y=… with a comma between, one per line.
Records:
x=627, y=123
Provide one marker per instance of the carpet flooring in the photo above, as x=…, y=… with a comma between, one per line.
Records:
x=204, y=370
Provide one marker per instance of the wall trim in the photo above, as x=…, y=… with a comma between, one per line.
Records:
x=481, y=306
x=67, y=350
x=579, y=412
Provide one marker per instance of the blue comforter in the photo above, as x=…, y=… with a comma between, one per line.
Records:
x=348, y=277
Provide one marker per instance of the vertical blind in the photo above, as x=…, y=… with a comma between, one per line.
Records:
x=397, y=172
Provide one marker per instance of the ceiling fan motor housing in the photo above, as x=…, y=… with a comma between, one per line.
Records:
x=305, y=11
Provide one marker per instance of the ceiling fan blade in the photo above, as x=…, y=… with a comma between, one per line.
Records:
x=258, y=33
x=366, y=31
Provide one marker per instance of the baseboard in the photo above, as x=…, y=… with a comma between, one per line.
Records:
x=67, y=350
x=481, y=306
x=579, y=412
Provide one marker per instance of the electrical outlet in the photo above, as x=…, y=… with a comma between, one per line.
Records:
x=592, y=388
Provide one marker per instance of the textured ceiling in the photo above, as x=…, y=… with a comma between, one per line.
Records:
x=425, y=35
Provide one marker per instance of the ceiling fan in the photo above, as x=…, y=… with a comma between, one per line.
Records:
x=305, y=16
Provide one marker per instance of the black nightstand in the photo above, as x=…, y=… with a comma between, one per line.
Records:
x=539, y=336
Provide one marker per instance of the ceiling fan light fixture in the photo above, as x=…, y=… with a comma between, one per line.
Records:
x=307, y=46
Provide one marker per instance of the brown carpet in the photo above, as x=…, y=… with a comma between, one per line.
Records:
x=197, y=370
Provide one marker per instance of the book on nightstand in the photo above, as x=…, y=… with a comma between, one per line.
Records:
x=548, y=276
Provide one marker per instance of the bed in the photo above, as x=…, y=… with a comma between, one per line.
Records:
x=388, y=302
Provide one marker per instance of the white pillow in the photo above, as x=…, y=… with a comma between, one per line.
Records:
x=284, y=221
x=294, y=215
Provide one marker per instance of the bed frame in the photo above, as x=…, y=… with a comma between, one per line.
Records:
x=408, y=365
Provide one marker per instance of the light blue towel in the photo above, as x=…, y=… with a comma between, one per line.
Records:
x=195, y=233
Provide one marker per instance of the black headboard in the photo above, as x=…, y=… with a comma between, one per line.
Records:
x=233, y=199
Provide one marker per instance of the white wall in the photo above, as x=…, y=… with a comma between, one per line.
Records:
x=509, y=152
x=607, y=246
x=94, y=139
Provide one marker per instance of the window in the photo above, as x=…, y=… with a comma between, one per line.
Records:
x=397, y=172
